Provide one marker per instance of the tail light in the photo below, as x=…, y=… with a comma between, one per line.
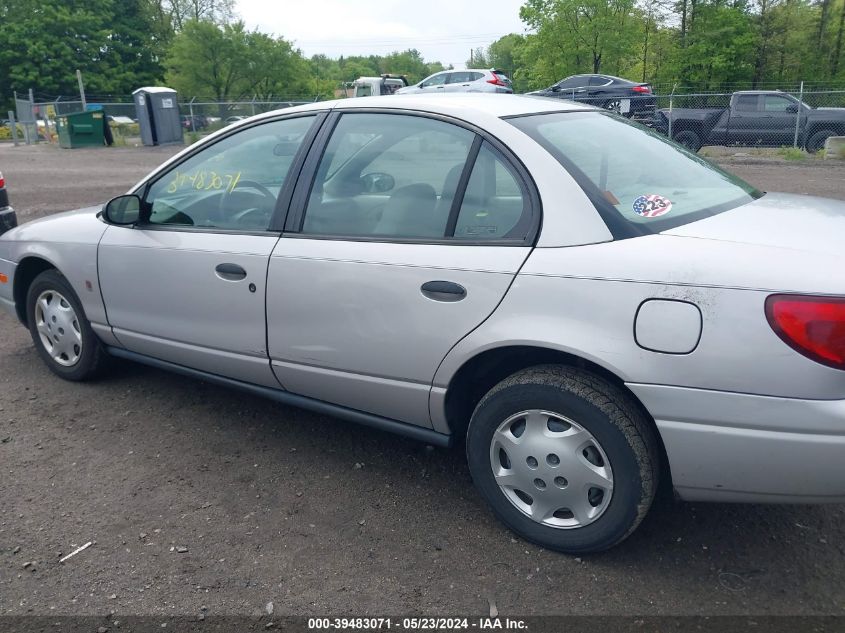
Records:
x=643, y=90
x=812, y=326
x=2, y=181
x=497, y=82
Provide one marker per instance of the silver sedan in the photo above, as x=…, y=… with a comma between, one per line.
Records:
x=587, y=306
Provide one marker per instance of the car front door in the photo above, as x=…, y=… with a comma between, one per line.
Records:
x=407, y=239
x=574, y=87
x=777, y=122
x=187, y=285
x=435, y=83
x=743, y=122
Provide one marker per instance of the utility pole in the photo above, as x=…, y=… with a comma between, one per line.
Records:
x=81, y=89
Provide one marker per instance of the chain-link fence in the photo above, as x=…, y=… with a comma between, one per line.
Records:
x=37, y=119
x=764, y=118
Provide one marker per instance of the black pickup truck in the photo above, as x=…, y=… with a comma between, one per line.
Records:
x=755, y=118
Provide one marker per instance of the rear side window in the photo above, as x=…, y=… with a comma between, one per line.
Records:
x=639, y=181
x=494, y=203
x=461, y=77
x=387, y=175
x=397, y=176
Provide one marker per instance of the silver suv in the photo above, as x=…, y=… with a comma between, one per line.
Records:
x=469, y=80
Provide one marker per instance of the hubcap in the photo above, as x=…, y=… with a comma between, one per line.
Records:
x=551, y=469
x=58, y=328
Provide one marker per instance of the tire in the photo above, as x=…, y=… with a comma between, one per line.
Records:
x=608, y=438
x=817, y=140
x=614, y=105
x=688, y=139
x=53, y=310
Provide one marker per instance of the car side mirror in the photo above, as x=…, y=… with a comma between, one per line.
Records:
x=793, y=108
x=377, y=182
x=123, y=210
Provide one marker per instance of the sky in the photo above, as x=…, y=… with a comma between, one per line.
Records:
x=442, y=30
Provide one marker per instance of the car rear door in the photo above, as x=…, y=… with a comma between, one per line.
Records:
x=368, y=291
x=188, y=284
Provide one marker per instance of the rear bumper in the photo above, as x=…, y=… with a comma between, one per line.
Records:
x=726, y=446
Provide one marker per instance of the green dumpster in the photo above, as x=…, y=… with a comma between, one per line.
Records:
x=81, y=129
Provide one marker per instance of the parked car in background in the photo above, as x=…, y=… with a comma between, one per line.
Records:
x=469, y=80
x=582, y=303
x=8, y=218
x=753, y=118
x=629, y=98
x=378, y=86
x=233, y=119
x=195, y=122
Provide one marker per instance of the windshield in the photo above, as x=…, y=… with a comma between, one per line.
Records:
x=639, y=181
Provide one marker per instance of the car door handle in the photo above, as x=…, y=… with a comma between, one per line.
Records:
x=443, y=290
x=230, y=272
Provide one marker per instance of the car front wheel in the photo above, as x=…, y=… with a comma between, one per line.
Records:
x=564, y=458
x=61, y=333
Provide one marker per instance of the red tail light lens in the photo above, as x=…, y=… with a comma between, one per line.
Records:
x=2, y=181
x=646, y=90
x=812, y=326
x=497, y=82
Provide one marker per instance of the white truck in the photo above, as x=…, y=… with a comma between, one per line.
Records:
x=382, y=85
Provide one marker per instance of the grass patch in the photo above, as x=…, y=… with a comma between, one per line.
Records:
x=792, y=153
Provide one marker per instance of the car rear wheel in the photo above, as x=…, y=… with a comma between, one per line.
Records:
x=564, y=458
x=817, y=140
x=614, y=105
x=688, y=139
x=61, y=333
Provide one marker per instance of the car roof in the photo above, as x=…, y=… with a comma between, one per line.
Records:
x=462, y=105
x=603, y=76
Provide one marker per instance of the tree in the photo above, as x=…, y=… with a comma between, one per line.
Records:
x=44, y=42
x=132, y=49
x=179, y=12
x=229, y=63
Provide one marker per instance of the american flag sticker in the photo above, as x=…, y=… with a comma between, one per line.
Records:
x=652, y=206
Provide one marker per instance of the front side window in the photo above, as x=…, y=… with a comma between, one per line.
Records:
x=232, y=184
x=639, y=181
x=576, y=81
x=776, y=104
x=435, y=80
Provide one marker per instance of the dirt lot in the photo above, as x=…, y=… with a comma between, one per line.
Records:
x=197, y=497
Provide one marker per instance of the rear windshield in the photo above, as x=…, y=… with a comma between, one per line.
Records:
x=640, y=182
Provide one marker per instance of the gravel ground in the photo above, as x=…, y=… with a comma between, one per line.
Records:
x=195, y=496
